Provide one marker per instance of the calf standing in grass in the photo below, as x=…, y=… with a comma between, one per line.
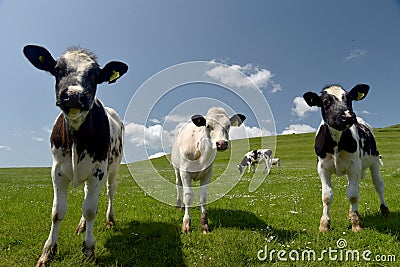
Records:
x=344, y=144
x=257, y=156
x=86, y=141
x=193, y=155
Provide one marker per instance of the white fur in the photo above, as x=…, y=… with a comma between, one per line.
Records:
x=193, y=155
x=336, y=91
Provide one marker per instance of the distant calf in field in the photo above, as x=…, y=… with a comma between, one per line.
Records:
x=86, y=141
x=276, y=161
x=344, y=144
x=257, y=156
x=193, y=154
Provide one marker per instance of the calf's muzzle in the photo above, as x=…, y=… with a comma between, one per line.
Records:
x=222, y=145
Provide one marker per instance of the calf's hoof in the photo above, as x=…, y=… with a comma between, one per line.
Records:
x=384, y=210
x=355, y=222
x=88, y=252
x=204, y=223
x=324, y=225
x=110, y=222
x=47, y=256
x=81, y=227
x=186, y=227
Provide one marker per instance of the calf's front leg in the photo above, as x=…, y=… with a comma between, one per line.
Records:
x=93, y=187
x=187, y=200
x=353, y=193
x=203, y=201
x=327, y=197
x=60, y=186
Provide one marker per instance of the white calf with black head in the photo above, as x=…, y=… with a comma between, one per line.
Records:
x=257, y=156
x=345, y=144
x=86, y=141
x=193, y=153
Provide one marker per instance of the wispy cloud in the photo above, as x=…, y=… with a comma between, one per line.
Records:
x=47, y=129
x=246, y=76
x=301, y=108
x=6, y=148
x=355, y=54
x=298, y=128
x=38, y=139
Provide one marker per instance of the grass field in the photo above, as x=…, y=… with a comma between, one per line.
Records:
x=281, y=215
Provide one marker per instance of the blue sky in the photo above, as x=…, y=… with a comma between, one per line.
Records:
x=286, y=47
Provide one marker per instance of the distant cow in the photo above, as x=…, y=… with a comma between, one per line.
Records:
x=193, y=153
x=86, y=141
x=254, y=157
x=276, y=161
x=344, y=144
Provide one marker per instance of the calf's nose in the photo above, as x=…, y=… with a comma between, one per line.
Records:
x=222, y=145
x=348, y=117
x=72, y=100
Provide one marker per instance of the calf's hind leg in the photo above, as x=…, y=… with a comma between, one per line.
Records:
x=379, y=187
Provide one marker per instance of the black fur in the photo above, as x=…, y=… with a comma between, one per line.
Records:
x=93, y=136
x=324, y=142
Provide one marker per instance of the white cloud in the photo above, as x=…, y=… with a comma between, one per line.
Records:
x=6, y=148
x=298, y=128
x=276, y=87
x=301, y=107
x=157, y=155
x=354, y=54
x=247, y=132
x=250, y=75
x=154, y=137
x=365, y=112
x=155, y=121
x=39, y=139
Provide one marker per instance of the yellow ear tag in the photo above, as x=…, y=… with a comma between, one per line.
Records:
x=114, y=76
x=199, y=120
x=360, y=96
x=41, y=59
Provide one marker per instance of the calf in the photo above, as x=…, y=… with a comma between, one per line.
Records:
x=344, y=144
x=86, y=141
x=254, y=157
x=276, y=161
x=193, y=155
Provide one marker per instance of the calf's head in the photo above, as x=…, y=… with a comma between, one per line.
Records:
x=77, y=75
x=217, y=125
x=336, y=104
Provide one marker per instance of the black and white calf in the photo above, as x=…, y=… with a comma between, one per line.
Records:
x=254, y=157
x=344, y=144
x=86, y=141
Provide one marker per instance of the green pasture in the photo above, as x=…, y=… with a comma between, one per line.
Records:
x=278, y=222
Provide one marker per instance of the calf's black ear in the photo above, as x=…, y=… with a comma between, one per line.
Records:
x=112, y=71
x=312, y=99
x=40, y=57
x=359, y=91
x=237, y=119
x=199, y=120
